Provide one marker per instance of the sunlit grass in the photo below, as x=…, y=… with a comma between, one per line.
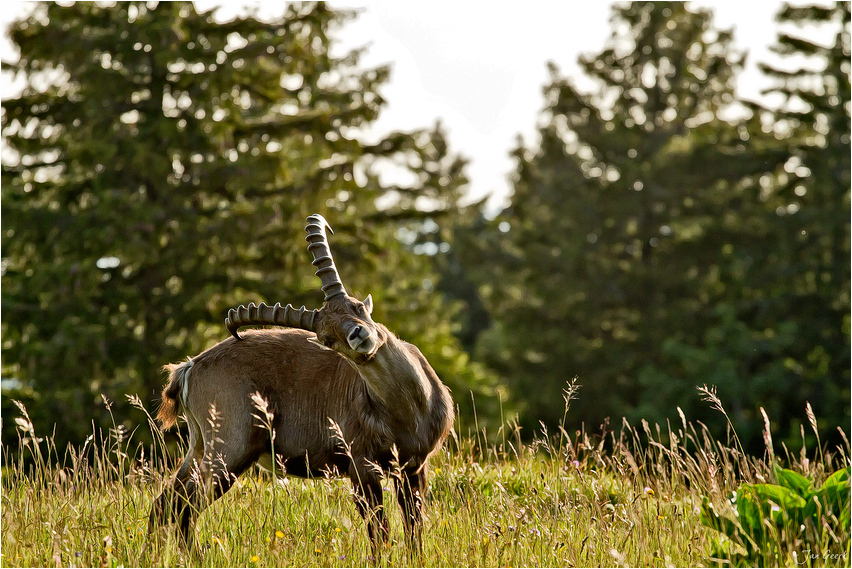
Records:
x=628, y=497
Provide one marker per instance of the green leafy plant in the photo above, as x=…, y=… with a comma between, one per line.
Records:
x=790, y=523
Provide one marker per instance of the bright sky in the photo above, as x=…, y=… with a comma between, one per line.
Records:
x=479, y=67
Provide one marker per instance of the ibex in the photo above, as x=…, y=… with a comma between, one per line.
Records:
x=343, y=395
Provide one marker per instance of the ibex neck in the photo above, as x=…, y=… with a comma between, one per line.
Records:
x=395, y=377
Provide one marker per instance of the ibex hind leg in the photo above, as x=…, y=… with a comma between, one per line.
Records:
x=410, y=490
x=174, y=504
x=207, y=472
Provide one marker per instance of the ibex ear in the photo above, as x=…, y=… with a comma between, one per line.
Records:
x=314, y=340
x=368, y=303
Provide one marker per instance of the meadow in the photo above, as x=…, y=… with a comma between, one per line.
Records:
x=633, y=495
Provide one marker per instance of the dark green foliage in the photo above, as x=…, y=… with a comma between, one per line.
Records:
x=777, y=331
x=659, y=239
x=662, y=234
x=788, y=523
x=587, y=271
x=161, y=169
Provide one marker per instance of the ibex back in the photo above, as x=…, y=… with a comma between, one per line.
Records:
x=341, y=393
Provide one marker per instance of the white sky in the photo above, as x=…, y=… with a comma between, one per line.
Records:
x=480, y=67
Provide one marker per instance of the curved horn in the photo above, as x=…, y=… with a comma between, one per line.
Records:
x=269, y=315
x=318, y=246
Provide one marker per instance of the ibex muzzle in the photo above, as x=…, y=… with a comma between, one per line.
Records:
x=330, y=366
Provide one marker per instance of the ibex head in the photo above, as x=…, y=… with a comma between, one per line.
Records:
x=343, y=324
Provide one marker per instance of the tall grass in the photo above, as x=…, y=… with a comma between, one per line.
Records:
x=625, y=496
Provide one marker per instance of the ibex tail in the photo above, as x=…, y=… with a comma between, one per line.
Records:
x=173, y=393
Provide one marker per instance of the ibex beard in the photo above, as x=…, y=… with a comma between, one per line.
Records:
x=340, y=393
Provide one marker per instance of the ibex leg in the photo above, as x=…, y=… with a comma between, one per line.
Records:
x=195, y=486
x=410, y=490
x=368, y=500
x=204, y=476
x=176, y=503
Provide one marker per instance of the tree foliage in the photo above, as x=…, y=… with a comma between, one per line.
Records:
x=662, y=233
x=645, y=251
x=779, y=336
x=161, y=166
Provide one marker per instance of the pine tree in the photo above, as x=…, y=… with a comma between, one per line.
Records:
x=805, y=275
x=776, y=334
x=610, y=245
x=161, y=166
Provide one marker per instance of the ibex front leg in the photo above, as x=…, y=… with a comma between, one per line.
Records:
x=368, y=499
x=410, y=489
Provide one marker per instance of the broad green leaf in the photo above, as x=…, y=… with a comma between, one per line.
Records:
x=759, y=502
x=749, y=513
x=839, y=478
x=778, y=495
x=834, y=494
x=794, y=481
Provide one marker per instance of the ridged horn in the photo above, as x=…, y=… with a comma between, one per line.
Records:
x=318, y=246
x=264, y=314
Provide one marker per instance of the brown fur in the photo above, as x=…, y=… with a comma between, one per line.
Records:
x=167, y=414
x=388, y=406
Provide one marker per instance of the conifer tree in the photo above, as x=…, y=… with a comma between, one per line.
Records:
x=776, y=333
x=608, y=248
x=160, y=168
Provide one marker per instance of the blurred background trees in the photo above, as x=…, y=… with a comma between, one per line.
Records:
x=163, y=167
x=662, y=233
